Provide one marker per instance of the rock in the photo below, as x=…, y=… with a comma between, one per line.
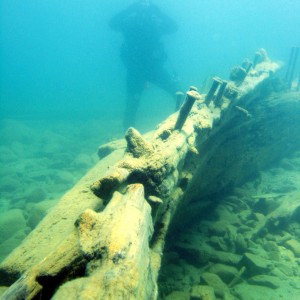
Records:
x=224, y=214
x=226, y=273
x=285, y=212
x=265, y=205
x=11, y=222
x=202, y=292
x=6, y=155
x=216, y=283
x=294, y=246
x=106, y=149
x=254, y=292
x=173, y=278
x=255, y=264
x=259, y=217
x=12, y=131
x=295, y=284
x=278, y=274
x=226, y=258
x=8, y=184
x=244, y=229
x=64, y=177
x=11, y=243
x=218, y=243
x=265, y=280
x=4, y=205
x=51, y=148
x=18, y=148
x=178, y=295
x=231, y=228
x=175, y=269
x=296, y=216
x=194, y=256
x=245, y=216
x=285, y=268
x=35, y=195
x=218, y=228
x=240, y=243
x=83, y=161
x=251, y=223
x=272, y=250
x=228, y=297
x=294, y=227
x=59, y=162
x=236, y=204
x=37, y=175
x=191, y=274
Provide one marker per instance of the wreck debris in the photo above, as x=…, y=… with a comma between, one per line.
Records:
x=191, y=97
x=136, y=145
x=193, y=88
x=155, y=203
x=247, y=65
x=122, y=247
x=217, y=91
x=257, y=59
x=238, y=74
x=231, y=92
x=244, y=111
x=220, y=93
x=216, y=83
x=260, y=56
x=105, y=186
x=114, y=251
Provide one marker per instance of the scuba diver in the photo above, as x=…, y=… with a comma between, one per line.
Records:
x=142, y=25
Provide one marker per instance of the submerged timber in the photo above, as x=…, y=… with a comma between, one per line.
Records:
x=105, y=239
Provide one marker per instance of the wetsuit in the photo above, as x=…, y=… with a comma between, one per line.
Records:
x=143, y=53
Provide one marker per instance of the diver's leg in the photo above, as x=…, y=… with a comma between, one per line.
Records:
x=135, y=86
x=131, y=107
x=164, y=80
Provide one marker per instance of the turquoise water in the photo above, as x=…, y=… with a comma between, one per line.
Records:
x=62, y=85
x=61, y=57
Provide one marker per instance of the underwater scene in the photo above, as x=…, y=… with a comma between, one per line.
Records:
x=150, y=150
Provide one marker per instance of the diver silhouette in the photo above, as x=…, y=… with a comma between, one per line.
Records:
x=142, y=25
